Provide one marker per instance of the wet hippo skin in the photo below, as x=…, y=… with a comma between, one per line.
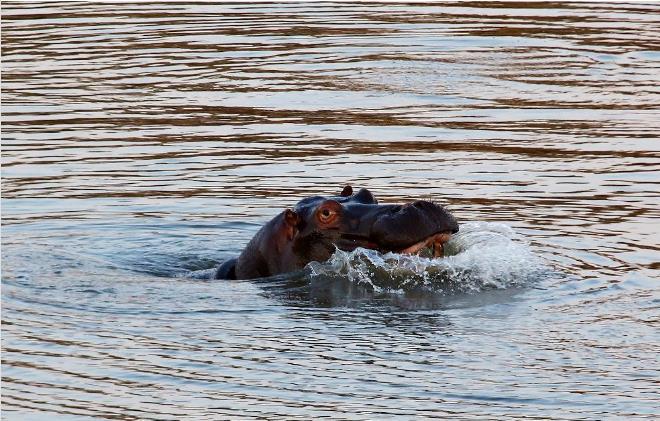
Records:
x=319, y=225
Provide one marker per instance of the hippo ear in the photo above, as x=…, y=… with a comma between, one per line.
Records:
x=291, y=220
x=348, y=190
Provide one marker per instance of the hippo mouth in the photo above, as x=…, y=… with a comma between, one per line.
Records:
x=431, y=246
x=418, y=228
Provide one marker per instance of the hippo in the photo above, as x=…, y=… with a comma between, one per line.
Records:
x=317, y=226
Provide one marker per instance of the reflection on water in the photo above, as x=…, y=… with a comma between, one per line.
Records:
x=143, y=141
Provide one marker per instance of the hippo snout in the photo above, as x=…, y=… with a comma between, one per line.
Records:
x=402, y=225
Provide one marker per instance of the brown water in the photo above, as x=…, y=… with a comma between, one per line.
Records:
x=142, y=141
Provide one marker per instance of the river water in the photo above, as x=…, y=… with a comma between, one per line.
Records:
x=145, y=142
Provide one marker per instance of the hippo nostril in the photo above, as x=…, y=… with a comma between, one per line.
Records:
x=365, y=196
x=424, y=205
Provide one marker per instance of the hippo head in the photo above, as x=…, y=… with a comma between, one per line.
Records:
x=318, y=225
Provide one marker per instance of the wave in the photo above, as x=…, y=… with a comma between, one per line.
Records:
x=481, y=256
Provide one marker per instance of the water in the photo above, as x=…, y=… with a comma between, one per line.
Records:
x=144, y=142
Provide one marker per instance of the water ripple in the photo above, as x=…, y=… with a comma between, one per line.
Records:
x=143, y=141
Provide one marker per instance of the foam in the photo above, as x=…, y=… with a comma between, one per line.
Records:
x=481, y=256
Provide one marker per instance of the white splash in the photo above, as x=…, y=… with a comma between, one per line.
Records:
x=481, y=256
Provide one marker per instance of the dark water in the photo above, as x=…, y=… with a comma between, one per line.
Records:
x=143, y=141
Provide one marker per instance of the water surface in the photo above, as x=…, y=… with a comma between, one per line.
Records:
x=143, y=141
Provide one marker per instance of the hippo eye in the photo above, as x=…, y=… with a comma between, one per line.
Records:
x=326, y=215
